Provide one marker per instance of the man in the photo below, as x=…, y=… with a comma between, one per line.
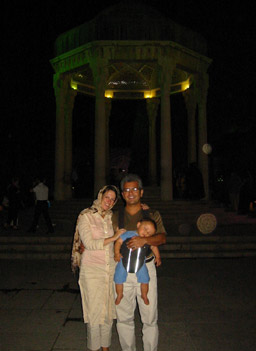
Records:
x=132, y=192
x=41, y=193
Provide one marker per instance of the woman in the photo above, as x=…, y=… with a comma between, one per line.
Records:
x=94, y=230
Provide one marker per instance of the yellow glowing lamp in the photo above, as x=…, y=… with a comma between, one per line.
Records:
x=109, y=94
x=73, y=85
x=185, y=85
x=149, y=94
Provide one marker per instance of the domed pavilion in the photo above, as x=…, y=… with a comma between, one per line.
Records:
x=131, y=51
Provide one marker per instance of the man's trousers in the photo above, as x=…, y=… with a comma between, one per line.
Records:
x=42, y=208
x=126, y=308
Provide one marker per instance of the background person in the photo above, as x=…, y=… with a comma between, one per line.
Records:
x=14, y=203
x=234, y=186
x=41, y=192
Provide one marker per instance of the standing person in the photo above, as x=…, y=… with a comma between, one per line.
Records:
x=234, y=186
x=181, y=185
x=94, y=231
x=14, y=197
x=41, y=193
x=132, y=192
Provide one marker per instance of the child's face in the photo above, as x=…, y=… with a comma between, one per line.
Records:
x=145, y=229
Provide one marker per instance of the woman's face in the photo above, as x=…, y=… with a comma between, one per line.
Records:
x=108, y=200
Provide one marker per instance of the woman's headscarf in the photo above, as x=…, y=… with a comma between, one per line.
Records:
x=95, y=207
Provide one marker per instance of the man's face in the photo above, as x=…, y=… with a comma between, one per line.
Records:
x=131, y=193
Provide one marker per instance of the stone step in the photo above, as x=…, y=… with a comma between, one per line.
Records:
x=74, y=204
x=208, y=254
x=59, y=240
x=34, y=255
x=176, y=247
x=35, y=247
x=176, y=222
x=208, y=246
x=170, y=210
x=169, y=255
x=167, y=248
x=64, y=215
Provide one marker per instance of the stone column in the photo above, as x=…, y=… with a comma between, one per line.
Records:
x=152, y=107
x=60, y=84
x=99, y=74
x=70, y=99
x=108, y=105
x=190, y=101
x=202, y=90
x=166, y=137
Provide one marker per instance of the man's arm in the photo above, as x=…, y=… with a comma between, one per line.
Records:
x=154, y=240
x=157, y=239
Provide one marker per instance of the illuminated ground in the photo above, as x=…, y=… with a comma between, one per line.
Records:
x=204, y=305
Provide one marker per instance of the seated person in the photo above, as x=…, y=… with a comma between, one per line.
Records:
x=133, y=261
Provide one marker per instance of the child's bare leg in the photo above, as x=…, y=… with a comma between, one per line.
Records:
x=144, y=293
x=119, y=292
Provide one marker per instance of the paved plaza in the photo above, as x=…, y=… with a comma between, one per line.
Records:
x=204, y=305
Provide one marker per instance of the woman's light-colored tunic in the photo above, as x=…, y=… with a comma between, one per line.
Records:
x=97, y=269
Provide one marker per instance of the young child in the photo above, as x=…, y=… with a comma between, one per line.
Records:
x=130, y=261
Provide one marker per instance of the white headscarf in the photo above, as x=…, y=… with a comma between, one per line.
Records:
x=95, y=207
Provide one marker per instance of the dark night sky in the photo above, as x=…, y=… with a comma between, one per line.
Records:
x=28, y=108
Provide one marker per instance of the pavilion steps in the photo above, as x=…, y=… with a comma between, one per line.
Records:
x=228, y=240
x=35, y=247
x=209, y=246
x=55, y=247
x=172, y=212
x=175, y=214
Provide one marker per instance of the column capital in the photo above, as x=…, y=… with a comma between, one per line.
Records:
x=61, y=83
x=166, y=60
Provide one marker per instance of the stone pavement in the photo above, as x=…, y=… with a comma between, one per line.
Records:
x=204, y=305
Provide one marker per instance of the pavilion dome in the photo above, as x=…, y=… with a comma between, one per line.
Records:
x=130, y=20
